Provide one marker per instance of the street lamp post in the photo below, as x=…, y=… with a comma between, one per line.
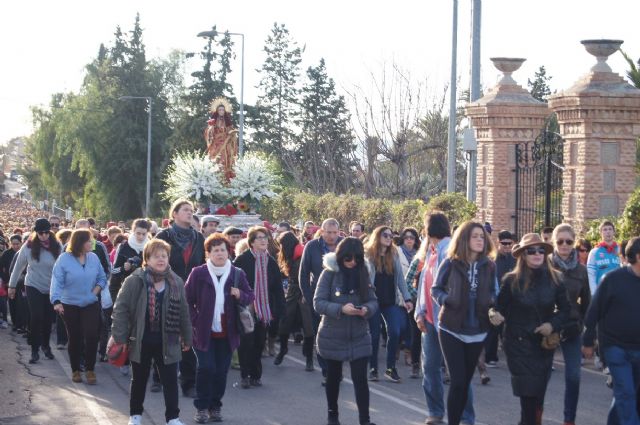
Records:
x=211, y=34
x=148, y=191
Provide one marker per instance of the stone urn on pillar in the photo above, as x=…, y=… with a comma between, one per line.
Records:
x=507, y=66
x=601, y=49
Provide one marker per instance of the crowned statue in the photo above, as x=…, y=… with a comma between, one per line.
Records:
x=221, y=137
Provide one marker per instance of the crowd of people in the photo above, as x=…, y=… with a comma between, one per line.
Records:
x=186, y=301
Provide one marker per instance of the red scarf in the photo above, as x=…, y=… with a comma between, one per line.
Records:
x=611, y=248
x=429, y=272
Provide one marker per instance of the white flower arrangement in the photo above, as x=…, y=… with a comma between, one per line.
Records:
x=254, y=179
x=194, y=176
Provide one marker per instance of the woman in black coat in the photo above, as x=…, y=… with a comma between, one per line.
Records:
x=533, y=303
x=265, y=280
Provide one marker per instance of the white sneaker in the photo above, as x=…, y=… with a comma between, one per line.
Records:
x=175, y=421
x=3, y=324
x=124, y=370
x=135, y=420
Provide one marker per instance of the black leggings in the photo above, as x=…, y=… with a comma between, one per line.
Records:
x=461, y=359
x=360, y=385
x=530, y=410
x=40, y=318
x=82, y=325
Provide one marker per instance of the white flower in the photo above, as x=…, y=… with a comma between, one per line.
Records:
x=194, y=176
x=253, y=179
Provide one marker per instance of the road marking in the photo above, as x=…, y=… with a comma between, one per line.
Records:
x=88, y=398
x=380, y=393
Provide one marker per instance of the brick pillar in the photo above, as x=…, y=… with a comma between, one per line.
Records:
x=506, y=116
x=599, y=119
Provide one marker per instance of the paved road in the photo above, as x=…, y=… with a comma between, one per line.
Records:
x=43, y=394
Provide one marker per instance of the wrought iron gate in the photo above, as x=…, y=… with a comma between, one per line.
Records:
x=539, y=182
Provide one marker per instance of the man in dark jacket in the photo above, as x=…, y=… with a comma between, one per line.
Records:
x=187, y=252
x=504, y=264
x=614, y=313
x=311, y=267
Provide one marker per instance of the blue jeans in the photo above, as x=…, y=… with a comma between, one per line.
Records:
x=432, y=362
x=572, y=356
x=211, y=374
x=396, y=320
x=624, y=366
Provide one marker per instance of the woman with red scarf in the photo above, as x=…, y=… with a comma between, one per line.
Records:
x=289, y=261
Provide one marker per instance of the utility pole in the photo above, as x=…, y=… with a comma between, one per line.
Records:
x=476, y=15
x=451, y=149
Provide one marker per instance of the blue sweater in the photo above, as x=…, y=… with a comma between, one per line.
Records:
x=72, y=283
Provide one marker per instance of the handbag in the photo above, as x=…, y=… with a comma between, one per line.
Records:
x=551, y=341
x=244, y=317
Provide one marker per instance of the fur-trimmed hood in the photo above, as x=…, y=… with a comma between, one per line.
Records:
x=330, y=262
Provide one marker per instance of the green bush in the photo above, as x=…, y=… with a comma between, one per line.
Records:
x=455, y=206
x=294, y=206
x=629, y=223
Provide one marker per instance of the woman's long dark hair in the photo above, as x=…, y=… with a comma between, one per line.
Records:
x=36, y=246
x=352, y=247
x=288, y=243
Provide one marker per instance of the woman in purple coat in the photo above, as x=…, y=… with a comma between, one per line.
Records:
x=213, y=292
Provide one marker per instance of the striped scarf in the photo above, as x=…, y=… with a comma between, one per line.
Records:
x=261, y=288
x=172, y=296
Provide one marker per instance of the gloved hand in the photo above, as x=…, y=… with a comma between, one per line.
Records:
x=495, y=317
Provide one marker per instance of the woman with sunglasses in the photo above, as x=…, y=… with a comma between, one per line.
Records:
x=409, y=246
x=38, y=256
x=576, y=280
x=386, y=276
x=263, y=275
x=345, y=300
x=533, y=304
x=465, y=289
x=583, y=247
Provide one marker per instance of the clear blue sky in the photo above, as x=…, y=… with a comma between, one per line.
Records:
x=46, y=44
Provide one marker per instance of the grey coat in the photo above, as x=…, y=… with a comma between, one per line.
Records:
x=402, y=294
x=38, y=272
x=341, y=337
x=129, y=315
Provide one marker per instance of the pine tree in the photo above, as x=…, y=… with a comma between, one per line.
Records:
x=539, y=87
x=324, y=150
x=277, y=104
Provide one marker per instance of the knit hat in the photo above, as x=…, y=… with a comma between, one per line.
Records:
x=42, y=225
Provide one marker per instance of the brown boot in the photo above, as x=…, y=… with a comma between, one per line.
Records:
x=91, y=377
x=76, y=377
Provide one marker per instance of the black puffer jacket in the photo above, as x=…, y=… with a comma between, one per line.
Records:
x=341, y=337
x=529, y=363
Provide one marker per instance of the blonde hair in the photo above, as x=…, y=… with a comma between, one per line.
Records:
x=564, y=227
x=460, y=249
x=372, y=250
x=241, y=246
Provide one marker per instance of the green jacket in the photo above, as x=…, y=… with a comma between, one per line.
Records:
x=129, y=314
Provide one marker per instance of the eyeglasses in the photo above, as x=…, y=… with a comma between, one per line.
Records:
x=261, y=238
x=536, y=250
x=55, y=224
x=506, y=243
x=564, y=241
x=387, y=235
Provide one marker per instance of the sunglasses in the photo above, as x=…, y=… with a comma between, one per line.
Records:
x=583, y=250
x=349, y=258
x=409, y=237
x=506, y=243
x=564, y=242
x=387, y=235
x=43, y=232
x=535, y=250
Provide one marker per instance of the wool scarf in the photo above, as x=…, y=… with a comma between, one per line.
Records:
x=172, y=320
x=137, y=246
x=183, y=236
x=565, y=265
x=428, y=274
x=219, y=276
x=408, y=253
x=261, y=287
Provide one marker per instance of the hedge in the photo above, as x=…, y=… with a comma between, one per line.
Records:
x=294, y=206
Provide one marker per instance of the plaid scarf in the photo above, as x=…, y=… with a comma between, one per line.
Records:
x=172, y=320
x=261, y=288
